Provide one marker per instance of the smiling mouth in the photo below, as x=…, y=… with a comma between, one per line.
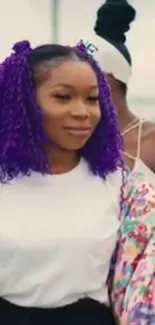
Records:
x=78, y=131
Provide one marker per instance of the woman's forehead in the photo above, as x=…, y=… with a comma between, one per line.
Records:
x=72, y=73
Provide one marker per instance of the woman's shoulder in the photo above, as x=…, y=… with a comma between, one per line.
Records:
x=138, y=208
x=136, y=186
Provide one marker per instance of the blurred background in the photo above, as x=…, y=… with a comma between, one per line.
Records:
x=65, y=21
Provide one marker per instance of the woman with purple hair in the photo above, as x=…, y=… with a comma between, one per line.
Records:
x=76, y=233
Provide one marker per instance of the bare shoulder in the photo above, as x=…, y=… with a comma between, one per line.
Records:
x=148, y=131
x=148, y=144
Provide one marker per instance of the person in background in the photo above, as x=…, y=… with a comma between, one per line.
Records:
x=61, y=158
x=109, y=49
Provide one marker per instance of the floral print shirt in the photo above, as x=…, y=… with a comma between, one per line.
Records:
x=133, y=287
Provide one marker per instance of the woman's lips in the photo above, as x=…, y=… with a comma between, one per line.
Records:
x=78, y=131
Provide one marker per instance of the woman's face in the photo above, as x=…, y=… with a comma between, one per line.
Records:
x=69, y=98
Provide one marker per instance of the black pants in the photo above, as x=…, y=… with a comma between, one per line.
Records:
x=81, y=313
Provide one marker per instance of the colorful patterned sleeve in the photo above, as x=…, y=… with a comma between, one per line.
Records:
x=133, y=292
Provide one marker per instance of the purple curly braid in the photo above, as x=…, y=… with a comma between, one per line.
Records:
x=21, y=131
x=109, y=142
x=22, y=138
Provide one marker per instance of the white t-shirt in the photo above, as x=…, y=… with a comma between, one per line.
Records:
x=57, y=235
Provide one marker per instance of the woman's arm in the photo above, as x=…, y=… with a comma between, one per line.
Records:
x=133, y=293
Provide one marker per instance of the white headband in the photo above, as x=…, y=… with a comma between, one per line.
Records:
x=109, y=58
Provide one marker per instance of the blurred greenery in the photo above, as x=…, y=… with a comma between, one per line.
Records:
x=55, y=20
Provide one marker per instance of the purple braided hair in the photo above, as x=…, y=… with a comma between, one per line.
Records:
x=110, y=142
x=22, y=138
x=21, y=131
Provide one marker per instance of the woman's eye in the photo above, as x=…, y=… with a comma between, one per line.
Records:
x=62, y=97
x=93, y=99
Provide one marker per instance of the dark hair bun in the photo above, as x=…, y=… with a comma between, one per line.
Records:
x=113, y=20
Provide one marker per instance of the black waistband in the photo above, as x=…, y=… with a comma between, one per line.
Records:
x=83, y=312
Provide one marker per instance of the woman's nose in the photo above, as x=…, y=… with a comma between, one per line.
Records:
x=80, y=110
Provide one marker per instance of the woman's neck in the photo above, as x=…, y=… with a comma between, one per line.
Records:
x=125, y=116
x=61, y=160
